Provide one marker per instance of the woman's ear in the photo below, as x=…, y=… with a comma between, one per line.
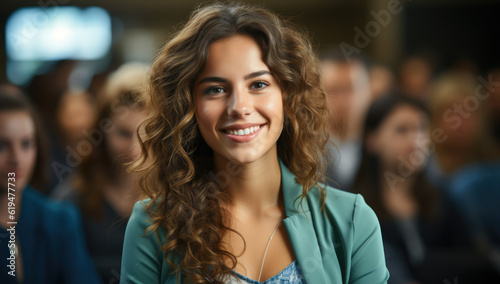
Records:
x=371, y=142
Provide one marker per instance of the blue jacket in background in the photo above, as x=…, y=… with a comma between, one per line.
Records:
x=51, y=242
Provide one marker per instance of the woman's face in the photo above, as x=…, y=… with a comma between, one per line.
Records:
x=122, y=142
x=75, y=116
x=239, y=104
x=17, y=147
x=397, y=138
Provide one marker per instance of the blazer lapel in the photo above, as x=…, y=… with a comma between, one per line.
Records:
x=300, y=229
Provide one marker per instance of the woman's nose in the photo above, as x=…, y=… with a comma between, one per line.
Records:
x=16, y=154
x=239, y=104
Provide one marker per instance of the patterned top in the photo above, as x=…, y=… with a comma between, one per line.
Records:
x=290, y=275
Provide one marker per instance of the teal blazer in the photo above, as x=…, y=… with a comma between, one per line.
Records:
x=343, y=246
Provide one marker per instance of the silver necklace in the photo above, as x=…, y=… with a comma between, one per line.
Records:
x=268, y=242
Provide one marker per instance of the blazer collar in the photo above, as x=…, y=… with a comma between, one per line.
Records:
x=291, y=191
x=300, y=228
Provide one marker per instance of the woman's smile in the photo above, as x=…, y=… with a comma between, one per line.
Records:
x=243, y=132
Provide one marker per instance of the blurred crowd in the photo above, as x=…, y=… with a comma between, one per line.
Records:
x=421, y=144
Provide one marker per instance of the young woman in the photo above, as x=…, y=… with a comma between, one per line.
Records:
x=47, y=239
x=231, y=162
x=425, y=234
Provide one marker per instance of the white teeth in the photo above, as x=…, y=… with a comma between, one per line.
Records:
x=241, y=132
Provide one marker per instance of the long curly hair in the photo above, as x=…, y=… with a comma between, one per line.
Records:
x=176, y=163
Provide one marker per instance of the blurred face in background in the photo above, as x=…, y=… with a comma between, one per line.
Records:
x=462, y=129
x=397, y=138
x=339, y=88
x=18, y=147
x=122, y=142
x=381, y=81
x=415, y=77
x=75, y=115
x=347, y=90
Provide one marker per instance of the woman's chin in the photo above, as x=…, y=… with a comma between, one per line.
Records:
x=241, y=158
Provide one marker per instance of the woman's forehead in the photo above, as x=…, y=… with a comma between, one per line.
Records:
x=234, y=55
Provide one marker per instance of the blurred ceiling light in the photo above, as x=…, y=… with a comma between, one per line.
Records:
x=37, y=33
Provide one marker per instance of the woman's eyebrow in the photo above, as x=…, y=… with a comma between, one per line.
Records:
x=4, y=140
x=257, y=74
x=223, y=80
x=213, y=79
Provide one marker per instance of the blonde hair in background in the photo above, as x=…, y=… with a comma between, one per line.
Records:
x=452, y=100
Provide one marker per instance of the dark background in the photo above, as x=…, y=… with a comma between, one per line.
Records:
x=447, y=29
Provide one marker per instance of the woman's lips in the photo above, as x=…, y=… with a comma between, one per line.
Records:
x=245, y=137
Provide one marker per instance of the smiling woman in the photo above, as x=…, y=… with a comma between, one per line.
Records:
x=233, y=162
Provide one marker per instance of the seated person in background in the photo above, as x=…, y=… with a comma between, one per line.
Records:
x=49, y=240
x=75, y=115
x=101, y=187
x=420, y=225
x=476, y=188
x=346, y=82
x=461, y=116
x=466, y=164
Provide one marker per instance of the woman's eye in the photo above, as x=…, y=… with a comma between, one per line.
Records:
x=26, y=144
x=124, y=133
x=401, y=129
x=214, y=90
x=259, y=85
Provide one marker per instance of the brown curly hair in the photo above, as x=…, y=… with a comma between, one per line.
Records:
x=176, y=162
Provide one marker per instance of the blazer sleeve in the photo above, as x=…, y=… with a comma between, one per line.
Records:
x=141, y=259
x=367, y=260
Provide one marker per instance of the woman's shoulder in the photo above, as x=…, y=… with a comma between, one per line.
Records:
x=142, y=259
x=348, y=210
x=140, y=216
x=338, y=200
x=356, y=234
x=140, y=220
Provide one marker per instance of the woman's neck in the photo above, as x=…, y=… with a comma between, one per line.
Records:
x=253, y=187
x=392, y=179
x=121, y=180
x=122, y=194
x=397, y=194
